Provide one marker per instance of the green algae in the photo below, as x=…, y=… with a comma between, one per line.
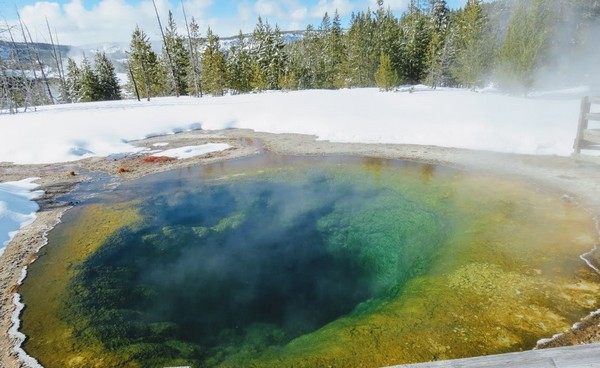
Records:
x=450, y=265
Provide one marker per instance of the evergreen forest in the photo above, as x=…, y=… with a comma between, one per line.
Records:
x=514, y=45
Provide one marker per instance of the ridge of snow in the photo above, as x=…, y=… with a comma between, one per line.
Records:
x=442, y=117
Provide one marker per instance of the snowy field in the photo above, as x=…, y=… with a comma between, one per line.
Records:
x=17, y=208
x=542, y=125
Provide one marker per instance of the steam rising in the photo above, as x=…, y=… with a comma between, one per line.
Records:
x=253, y=263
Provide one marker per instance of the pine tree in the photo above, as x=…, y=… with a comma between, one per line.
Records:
x=108, y=83
x=385, y=76
x=336, y=51
x=239, y=66
x=268, y=53
x=180, y=59
x=73, y=81
x=363, y=58
x=473, y=46
x=523, y=49
x=89, y=82
x=213, y=66
x=144, y=66
x=415, y=39
x=194, y=49
x=438, y=50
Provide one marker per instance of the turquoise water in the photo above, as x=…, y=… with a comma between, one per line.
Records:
x=252, y=261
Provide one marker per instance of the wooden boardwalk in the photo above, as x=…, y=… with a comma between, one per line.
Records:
x=587, y=138
x=571, y=356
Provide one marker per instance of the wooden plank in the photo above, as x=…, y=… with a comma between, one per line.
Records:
x=593, y=116
x=591, y=136
x=583, y=123
x=571, y=356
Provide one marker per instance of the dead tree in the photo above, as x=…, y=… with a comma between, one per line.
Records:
x=36, y=53
x=58, y=62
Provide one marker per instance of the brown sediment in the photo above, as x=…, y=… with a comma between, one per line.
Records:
x=576, y=181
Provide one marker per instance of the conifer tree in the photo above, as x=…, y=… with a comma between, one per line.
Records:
x=213, y=66
x=415, y=39
x=239, y=66
x=336, y=51
x=268, y=54
x=362, y=60
x=144, y=66
x=108, y=83
x=180, y=59
x=385, y=76
x=73, y=81
x=523, y=49
x=474, y=46
x=438, y=51
x=89, y=82
x=194, y=49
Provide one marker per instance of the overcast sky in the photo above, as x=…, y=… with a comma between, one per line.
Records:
x=80, y=22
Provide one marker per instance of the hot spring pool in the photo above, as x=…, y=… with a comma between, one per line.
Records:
x=276, y=261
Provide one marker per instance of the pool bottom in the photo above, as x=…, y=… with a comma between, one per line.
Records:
x=507, y=275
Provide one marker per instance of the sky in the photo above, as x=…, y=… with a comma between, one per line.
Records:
x=83, y=22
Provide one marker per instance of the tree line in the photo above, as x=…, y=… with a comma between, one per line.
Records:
x=507, y=43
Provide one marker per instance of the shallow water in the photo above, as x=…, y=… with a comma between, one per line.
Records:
x=307, y=261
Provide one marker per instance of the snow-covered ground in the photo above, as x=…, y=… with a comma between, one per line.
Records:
x=17, y=208
x=544, y=124
x=447, y=117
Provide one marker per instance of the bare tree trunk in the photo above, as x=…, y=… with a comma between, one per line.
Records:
x=137, y=93
x=146, y=80
x=60, y=58
x=36, y=87
x=41, y=66
x=193, y=60
x=61, y=77
x=167, y=50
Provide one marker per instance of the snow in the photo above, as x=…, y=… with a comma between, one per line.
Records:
x=17, y=208
x=160, y=144
x=442, y=117
x=191, y=151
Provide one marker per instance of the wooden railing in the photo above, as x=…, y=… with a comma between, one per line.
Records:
x=587, y=138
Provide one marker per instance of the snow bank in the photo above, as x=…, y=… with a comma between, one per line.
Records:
x=191, y=151
x=444, y=117
x=17, y=208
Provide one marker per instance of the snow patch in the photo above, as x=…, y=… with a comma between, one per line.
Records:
x=160, y=144
x=17, y=208
x=192, y=151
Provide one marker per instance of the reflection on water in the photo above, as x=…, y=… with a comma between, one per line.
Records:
x=305, y=261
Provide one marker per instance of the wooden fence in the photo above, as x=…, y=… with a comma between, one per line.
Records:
x=587, y=138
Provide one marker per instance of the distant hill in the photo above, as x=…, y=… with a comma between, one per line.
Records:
x=116, y=51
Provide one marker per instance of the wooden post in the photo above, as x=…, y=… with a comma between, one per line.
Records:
x=583, y=123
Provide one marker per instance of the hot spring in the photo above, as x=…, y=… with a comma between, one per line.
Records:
x=275, y=261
